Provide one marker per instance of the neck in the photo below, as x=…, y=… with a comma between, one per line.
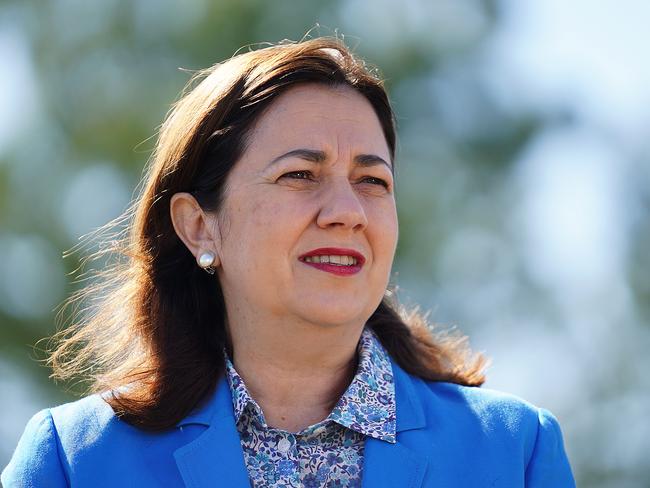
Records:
x=296, y=372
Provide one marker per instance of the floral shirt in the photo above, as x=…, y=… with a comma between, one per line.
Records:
x=330, y=452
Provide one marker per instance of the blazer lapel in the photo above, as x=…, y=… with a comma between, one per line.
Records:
x=215, y=458
x=387, y=464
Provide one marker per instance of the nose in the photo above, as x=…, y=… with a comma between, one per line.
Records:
x=341, y=206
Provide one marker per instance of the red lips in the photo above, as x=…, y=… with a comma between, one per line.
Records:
x=333, y=268
x=335, y=251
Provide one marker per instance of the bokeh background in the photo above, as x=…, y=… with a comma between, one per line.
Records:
x=523, y=179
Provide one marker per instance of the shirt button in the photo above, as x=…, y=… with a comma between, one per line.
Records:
x=284, y=445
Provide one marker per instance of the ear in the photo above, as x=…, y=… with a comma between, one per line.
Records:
x=193, y=226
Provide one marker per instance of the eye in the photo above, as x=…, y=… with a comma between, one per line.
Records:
x=298, y=175
x=376, y=181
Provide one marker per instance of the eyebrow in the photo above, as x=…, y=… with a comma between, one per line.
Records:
x=315, y=156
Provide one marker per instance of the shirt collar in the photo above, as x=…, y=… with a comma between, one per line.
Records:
x=240, y=396
x=368, y=404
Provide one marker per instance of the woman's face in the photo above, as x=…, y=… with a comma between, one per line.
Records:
x=316, y=174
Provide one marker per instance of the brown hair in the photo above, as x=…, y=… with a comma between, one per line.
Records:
x=154, y=327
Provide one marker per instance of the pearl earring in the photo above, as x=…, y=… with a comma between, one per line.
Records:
x=206, y=259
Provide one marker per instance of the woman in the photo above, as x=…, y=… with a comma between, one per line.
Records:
x=247, y=338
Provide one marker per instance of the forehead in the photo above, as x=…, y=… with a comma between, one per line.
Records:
x=321, y=117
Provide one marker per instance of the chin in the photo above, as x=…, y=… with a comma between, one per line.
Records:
x=333, y=315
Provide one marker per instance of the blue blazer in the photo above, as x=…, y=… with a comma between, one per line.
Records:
x=447, y=436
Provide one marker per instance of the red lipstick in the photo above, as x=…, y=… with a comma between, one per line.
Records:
x=337, y=269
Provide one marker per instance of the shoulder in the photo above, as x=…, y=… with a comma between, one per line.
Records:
x=37, y=458
x=483, y=409
x=490, y=428
x=478, y=412
x=82, y=441
x=490, y=411
x=84, y=421
x=496, y=409
x=491, y=408
x=42, y=456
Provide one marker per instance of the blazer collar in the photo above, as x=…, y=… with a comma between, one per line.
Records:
x=218, y=404
x=399, y=464
x=410, y=414
x=216, y=458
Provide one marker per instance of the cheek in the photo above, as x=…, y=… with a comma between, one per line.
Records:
x=383, y=228
x=266, y=229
